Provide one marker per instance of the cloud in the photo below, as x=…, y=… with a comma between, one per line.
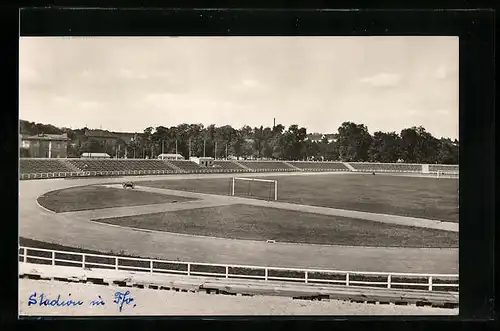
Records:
x=179, y=102
x=126, y=73
x=413, y=112
x=60, y=99
x=382, y=80
x=86, y=73
x=247, y=85
x=442, y=72
x=443, y=112
x=131, y=74
x=28, y=75
x=89, y=105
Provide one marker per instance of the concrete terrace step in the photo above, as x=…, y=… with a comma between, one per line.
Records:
x=350, y=167
x=236, y=286
x=70, y=165
x=292, y=166
x=173, y=166
x=241, y=165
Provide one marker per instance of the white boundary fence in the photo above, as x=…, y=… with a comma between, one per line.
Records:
x=430, y=282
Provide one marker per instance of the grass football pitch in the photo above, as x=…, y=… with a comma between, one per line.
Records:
x=240, y=221
x=98, y=197
x=429, y=198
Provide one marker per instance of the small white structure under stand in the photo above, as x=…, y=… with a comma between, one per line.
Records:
x=95, y=156
x=203, y=161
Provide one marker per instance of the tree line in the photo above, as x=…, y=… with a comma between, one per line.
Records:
x=352, y=142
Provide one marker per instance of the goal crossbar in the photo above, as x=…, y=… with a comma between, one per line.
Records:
x=255, y=179
x=249, y=179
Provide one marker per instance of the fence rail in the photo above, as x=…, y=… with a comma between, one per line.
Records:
x=431, y=282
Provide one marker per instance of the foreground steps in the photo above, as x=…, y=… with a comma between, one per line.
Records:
x=245, y=287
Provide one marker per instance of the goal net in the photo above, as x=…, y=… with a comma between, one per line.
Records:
x=254, y=187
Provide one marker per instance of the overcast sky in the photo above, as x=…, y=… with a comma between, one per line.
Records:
x=128, y=84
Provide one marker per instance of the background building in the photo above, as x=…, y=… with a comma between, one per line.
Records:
x=45, y=146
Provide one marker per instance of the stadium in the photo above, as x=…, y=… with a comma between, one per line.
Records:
x=243, y=168
x=390, y=227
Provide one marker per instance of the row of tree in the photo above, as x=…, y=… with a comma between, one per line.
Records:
x=352, y=143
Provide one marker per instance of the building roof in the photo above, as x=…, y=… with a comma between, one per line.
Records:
x=95, y=155
x=126, y=136
x=43, y=136
x=321, y=136
x=315, y=136
x=170, y=155
x=99, y=133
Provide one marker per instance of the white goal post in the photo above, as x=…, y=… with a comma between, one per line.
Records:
x=249, y=179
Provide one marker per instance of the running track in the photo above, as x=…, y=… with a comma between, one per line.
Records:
x=69, y=230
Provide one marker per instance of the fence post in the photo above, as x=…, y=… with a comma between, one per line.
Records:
x=347, y=279
x=53, y=258
x=306, y=276
x=83, y=261
x=116, y=263
x=275, y=190
x=430, y=283
x=227, y=271
x=151, y=266
x=265, y=274
x=389, y=281
x=189, y=269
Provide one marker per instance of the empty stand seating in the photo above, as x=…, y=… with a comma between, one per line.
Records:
x=226, y=165
x=37, y=166
x=387, y=167
x=443, y=167
x=319, y=166
x=186, y=165
x=266, y=165
x=33, y=168
x=120, y=165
